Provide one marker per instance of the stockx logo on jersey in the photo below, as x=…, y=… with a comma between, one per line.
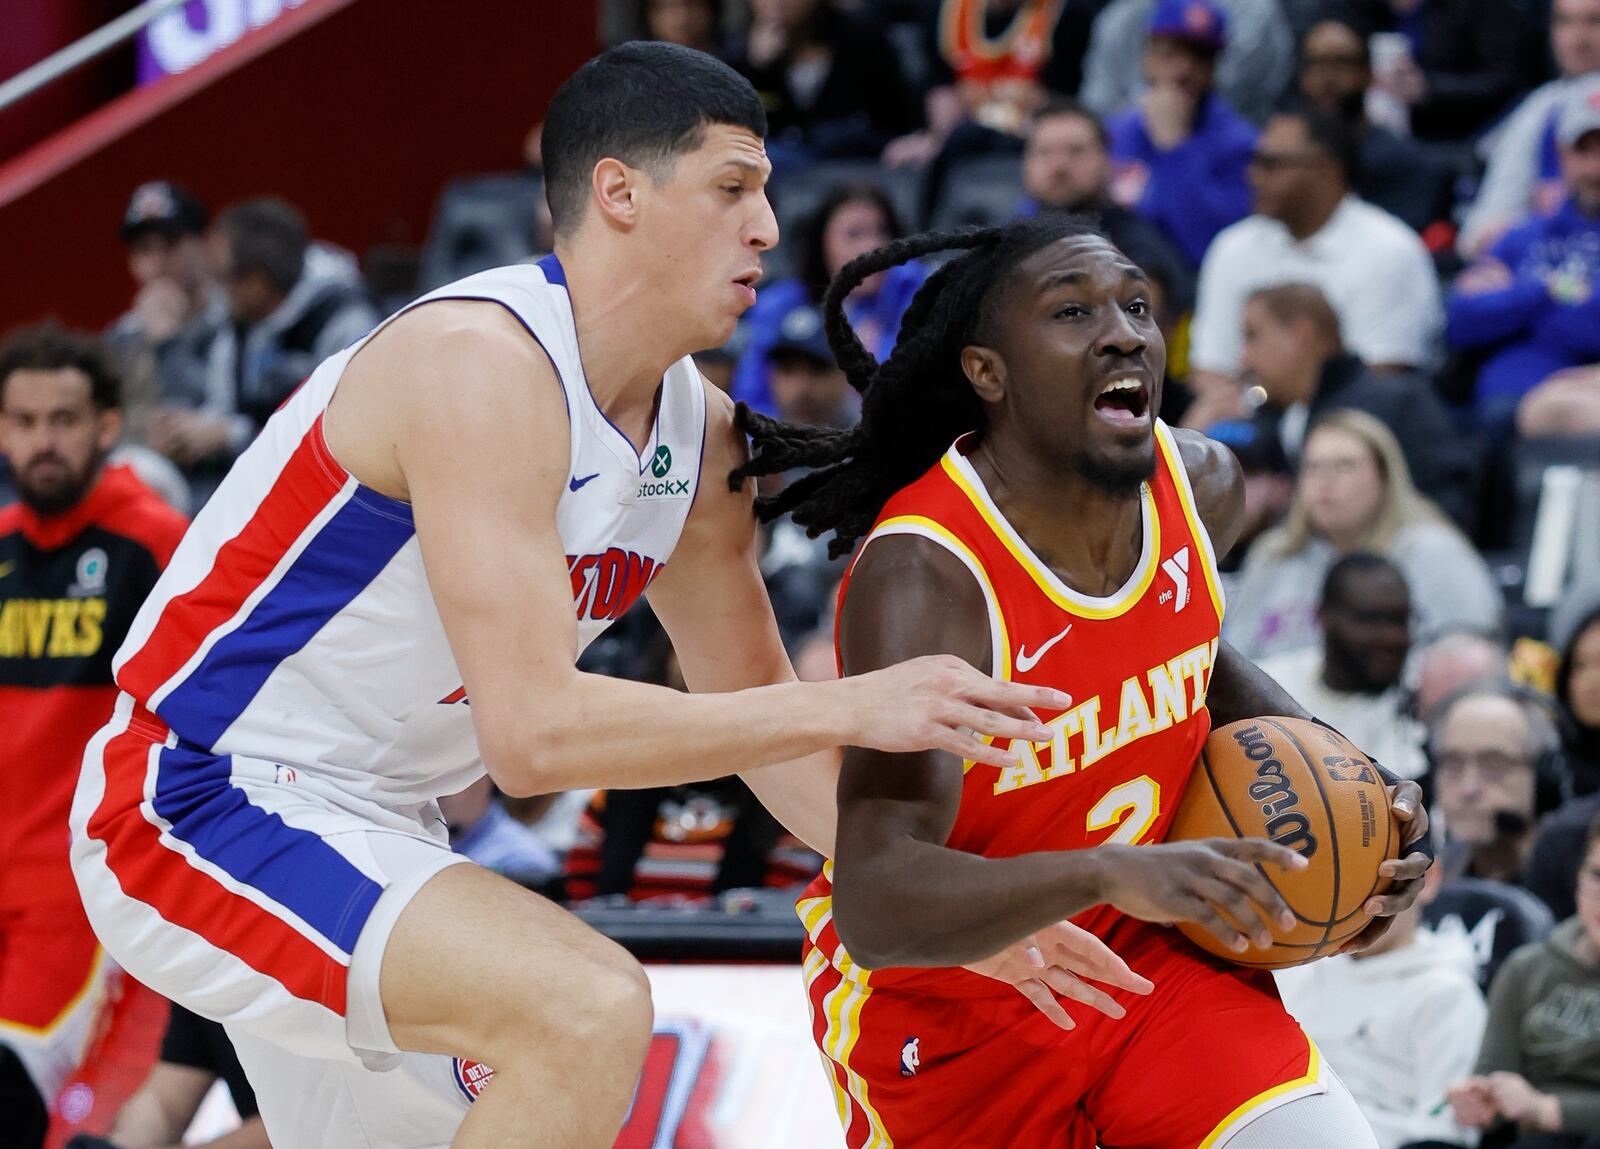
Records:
x=659, y=483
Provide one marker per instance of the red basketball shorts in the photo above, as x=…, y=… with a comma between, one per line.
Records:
x=1211, y=1049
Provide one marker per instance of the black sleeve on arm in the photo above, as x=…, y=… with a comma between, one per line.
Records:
x=901, y=897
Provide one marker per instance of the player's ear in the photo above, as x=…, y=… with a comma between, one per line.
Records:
x=109, y=428
x=986, y=371
x=615, y=185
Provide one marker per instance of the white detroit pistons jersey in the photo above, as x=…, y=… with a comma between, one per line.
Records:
x=295, y=624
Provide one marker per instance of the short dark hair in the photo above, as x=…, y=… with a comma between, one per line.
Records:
x=1288, y=302
x=48, y=346
x=267, y=236
x=813, y=260
x=645, y=103
x=1328, y=133
x=1335, y=585
x=1057, y=106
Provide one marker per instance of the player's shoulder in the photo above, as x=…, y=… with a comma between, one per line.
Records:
x=911, y=594
x=1215, y=478
x=486, y=327
x=1204, y=459
x=460, y=355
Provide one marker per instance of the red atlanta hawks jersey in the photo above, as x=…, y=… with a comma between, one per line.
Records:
x=1136, y=664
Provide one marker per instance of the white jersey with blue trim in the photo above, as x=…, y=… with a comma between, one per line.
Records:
x=295, y=625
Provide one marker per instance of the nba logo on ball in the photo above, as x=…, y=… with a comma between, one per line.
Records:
x=471, y=1077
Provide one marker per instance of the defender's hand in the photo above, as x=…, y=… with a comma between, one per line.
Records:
x=1405, y=872
x=940, y=702
x=1053, y=962
x=1214, y=883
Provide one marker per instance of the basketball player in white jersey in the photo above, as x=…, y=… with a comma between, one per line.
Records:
x=378, y=605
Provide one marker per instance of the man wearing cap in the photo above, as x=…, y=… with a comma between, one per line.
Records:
x=1530, y=305
x=808, y=389
x=1252, y=72
x=1179, y=154
x=162, y=343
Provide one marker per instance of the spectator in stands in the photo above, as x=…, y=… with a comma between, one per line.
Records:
x=1493, y=756
x=1309, y=227
x=695, y=24
x=195, y=1055
x=78, y=555
x=852, y=220
x=1530, y=304
x=162, y=344
x=1578, y=691
x=1252, y=73
x=1294, y=351
x=1066, y=167
x=992, y=64
x=1355, y=493
x=291, y=304
x=481, y=829
x=1539, y=1068
x=1179, y=154
x=1463, y=62
x=808, y=389
x=1558, y=849
x=829, y=80
x=1452, y=660
x=1394, y=172
x=1400, y=1022
x=1524, y=173
x=1352, y=681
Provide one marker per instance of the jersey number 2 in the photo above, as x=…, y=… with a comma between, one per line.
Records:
x=1131, y=807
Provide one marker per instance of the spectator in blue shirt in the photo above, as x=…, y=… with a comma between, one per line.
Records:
x=853, y=220
x=1530, y=304
x=1181, y=152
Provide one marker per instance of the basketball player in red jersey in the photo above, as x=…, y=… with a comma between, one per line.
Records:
x=1069, y=538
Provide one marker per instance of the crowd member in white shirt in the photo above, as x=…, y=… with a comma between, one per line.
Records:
x=1309, y=227
x=1400, y=1022
x=1353, y=679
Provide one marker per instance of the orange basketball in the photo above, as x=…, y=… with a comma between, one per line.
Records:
x=1304, y=786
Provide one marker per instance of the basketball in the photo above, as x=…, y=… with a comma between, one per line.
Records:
x=1306, y=787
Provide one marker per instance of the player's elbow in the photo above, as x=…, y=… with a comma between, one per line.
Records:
x=879, y=927
x=531, y=750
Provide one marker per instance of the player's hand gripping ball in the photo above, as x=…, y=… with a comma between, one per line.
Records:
x=1306, y=787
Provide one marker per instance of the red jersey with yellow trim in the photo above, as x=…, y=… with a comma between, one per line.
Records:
x=1136, y=664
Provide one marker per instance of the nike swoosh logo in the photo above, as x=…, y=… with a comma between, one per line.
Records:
x=7, y=568
x=1026, y=661
x=575, y=483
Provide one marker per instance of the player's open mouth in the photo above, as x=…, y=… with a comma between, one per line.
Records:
x=1124, y=401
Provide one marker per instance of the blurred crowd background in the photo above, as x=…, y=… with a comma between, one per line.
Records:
x=1373, y=230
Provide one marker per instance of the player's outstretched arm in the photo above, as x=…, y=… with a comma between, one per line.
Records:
x=456, y=410
x=901, y=896
x=1239, y=689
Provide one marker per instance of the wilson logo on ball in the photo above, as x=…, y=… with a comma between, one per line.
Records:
x=1275, y=794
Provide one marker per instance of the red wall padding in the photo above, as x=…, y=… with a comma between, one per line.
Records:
x=358, y=111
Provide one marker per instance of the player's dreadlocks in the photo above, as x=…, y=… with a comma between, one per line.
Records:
x=916, y=403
